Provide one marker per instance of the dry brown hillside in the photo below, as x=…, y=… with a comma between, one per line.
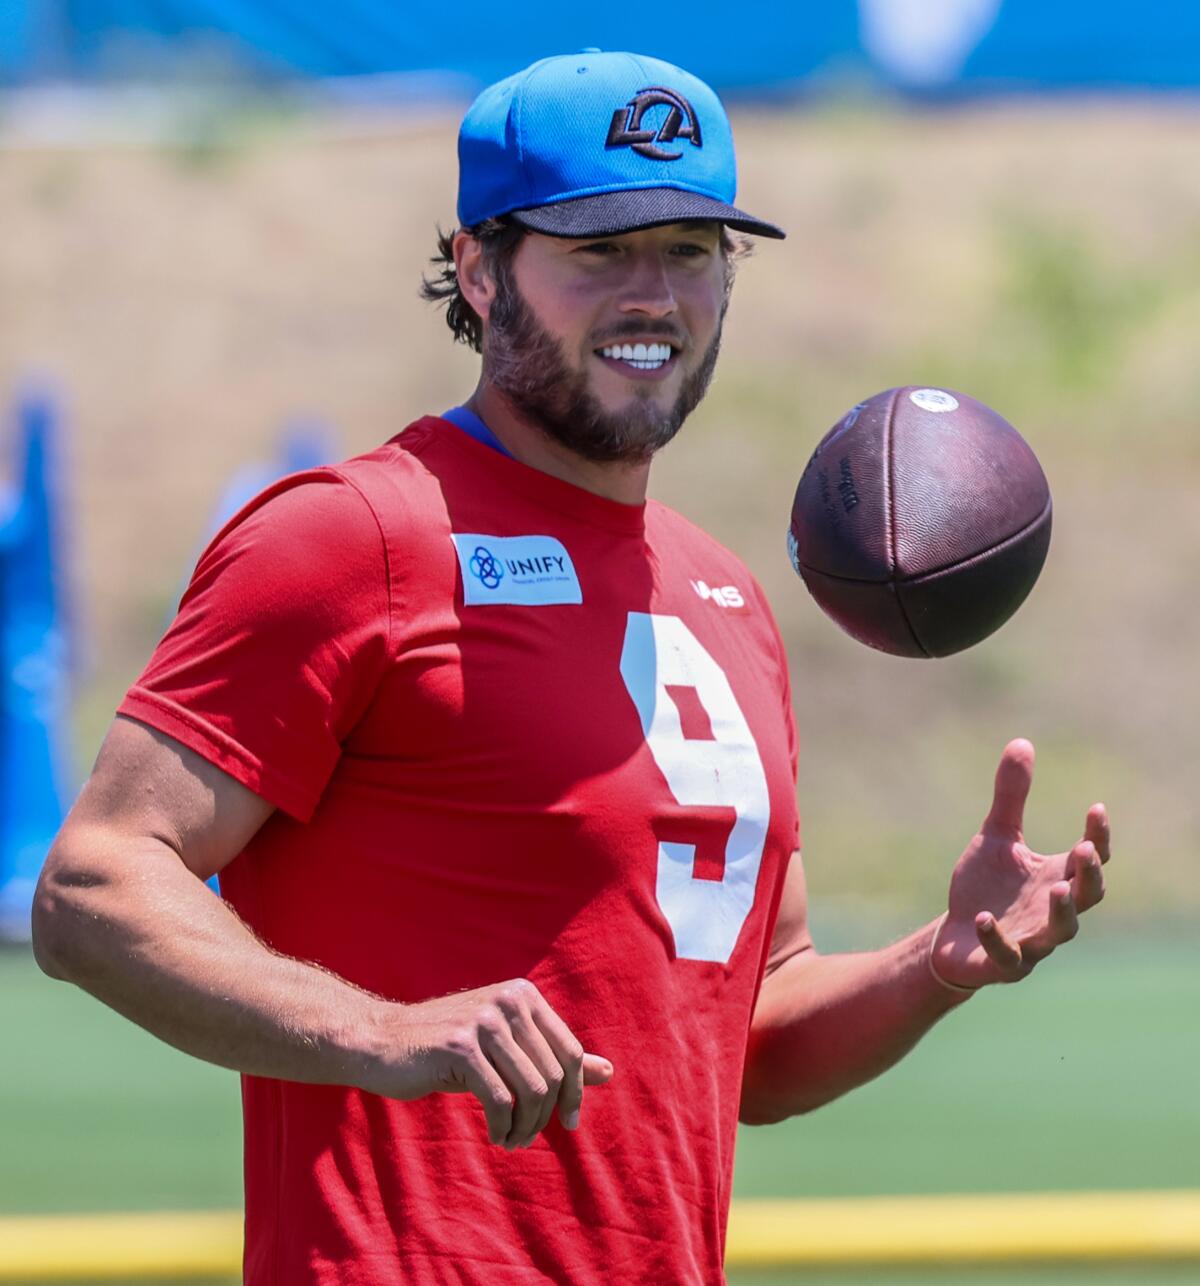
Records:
x=1045, y=259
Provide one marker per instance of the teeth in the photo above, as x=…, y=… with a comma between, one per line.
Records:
x=643, y=356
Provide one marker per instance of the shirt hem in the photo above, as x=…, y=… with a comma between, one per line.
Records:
x=219, y=749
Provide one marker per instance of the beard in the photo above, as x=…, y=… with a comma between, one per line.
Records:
x=528, y=365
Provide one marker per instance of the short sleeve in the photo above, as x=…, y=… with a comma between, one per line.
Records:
x=280, y=641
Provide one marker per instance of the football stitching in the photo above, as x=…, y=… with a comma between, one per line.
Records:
x=1047, y=512
x=945, y=567
x=889, y=440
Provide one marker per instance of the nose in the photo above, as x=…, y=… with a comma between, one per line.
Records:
x=647, y=290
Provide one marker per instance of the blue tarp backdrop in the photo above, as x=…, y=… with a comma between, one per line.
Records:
x=34, y=661
x=926, y=46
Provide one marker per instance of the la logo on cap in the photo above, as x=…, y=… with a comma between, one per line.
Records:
x=681, y=122
x=597, y=144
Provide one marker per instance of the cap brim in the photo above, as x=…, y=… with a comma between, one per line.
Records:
x=608, y=214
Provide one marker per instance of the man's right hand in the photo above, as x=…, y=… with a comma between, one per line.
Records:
x=503, y=1043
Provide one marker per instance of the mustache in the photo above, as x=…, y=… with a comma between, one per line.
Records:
x=631, y=327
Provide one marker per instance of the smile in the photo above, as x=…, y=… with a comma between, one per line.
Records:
x=642, y=357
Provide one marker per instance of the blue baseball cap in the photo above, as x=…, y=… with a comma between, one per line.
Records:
x=595, y=144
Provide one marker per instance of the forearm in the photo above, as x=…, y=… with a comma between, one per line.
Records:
x=825, y=1024
x=129, y=923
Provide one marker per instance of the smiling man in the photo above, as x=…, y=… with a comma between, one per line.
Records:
x=501, y=792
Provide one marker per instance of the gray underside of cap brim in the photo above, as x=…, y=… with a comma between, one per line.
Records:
x=608, y=214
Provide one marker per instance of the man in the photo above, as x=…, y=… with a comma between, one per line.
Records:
x=502, y=808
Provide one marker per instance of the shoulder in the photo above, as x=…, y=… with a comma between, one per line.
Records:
x=321, y=545
x=344, y=511
x=301, y=527
x=401, y=482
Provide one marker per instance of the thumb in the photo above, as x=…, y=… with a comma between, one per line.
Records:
x=596, y=1070
x=1013, y=780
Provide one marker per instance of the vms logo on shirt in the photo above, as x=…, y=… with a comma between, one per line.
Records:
x=728, y=596
x=528, y=571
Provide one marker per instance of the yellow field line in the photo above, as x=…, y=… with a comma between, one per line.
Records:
x=1051, y=1227
x=120, y=1247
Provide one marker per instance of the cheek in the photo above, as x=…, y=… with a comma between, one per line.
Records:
x=570, y=315
x=700, y=299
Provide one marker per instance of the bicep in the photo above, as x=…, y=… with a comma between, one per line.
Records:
x=148, y=786
x=791, y=936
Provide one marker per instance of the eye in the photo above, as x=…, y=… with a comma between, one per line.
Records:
x=601, y=249
x=690, y=250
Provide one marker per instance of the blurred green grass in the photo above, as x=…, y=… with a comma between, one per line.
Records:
x=97, y=1115
x=1080, y=1078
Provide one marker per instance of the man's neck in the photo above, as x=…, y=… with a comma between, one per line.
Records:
x=619, y=481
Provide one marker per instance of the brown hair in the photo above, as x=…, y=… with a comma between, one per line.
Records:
x=498, y=239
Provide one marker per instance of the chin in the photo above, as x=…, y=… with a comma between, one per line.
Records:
x=638, y=407
x=661, y=398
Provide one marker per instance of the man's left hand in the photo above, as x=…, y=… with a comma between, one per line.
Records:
x=1009, y=907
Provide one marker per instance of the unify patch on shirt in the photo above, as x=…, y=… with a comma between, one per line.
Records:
x=529, y=571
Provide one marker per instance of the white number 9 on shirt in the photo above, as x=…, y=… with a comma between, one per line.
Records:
x=705, y=916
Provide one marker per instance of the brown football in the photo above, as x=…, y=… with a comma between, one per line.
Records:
x=921, y=522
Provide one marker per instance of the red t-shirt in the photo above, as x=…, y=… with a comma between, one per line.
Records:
x=512, y=729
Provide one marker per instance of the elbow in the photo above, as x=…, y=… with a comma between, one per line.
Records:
x=48, y=923
x=762, y=1102
x=62, y=915
x=778, y=1083
x=758, y=1105
x=758, y=1113
x=46, y=952
x=770, y=1109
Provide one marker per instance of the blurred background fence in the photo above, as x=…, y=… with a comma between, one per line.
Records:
x=214, y=217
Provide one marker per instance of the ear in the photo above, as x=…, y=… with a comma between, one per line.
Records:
x=476, y=283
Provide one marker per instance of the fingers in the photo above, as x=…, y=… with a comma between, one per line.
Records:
x=516, y=1094
x=1086, y=874
x=530, y=1083
x=1016, y=957
x=1013, y=780
x=1062, y=924
x=1064, y=918
x=482, y=1080
x=1000, y=948
x=536, y=1058
x=596, y=1070
x=1096, y=830
x=1047, y=924
x=568, y=1054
